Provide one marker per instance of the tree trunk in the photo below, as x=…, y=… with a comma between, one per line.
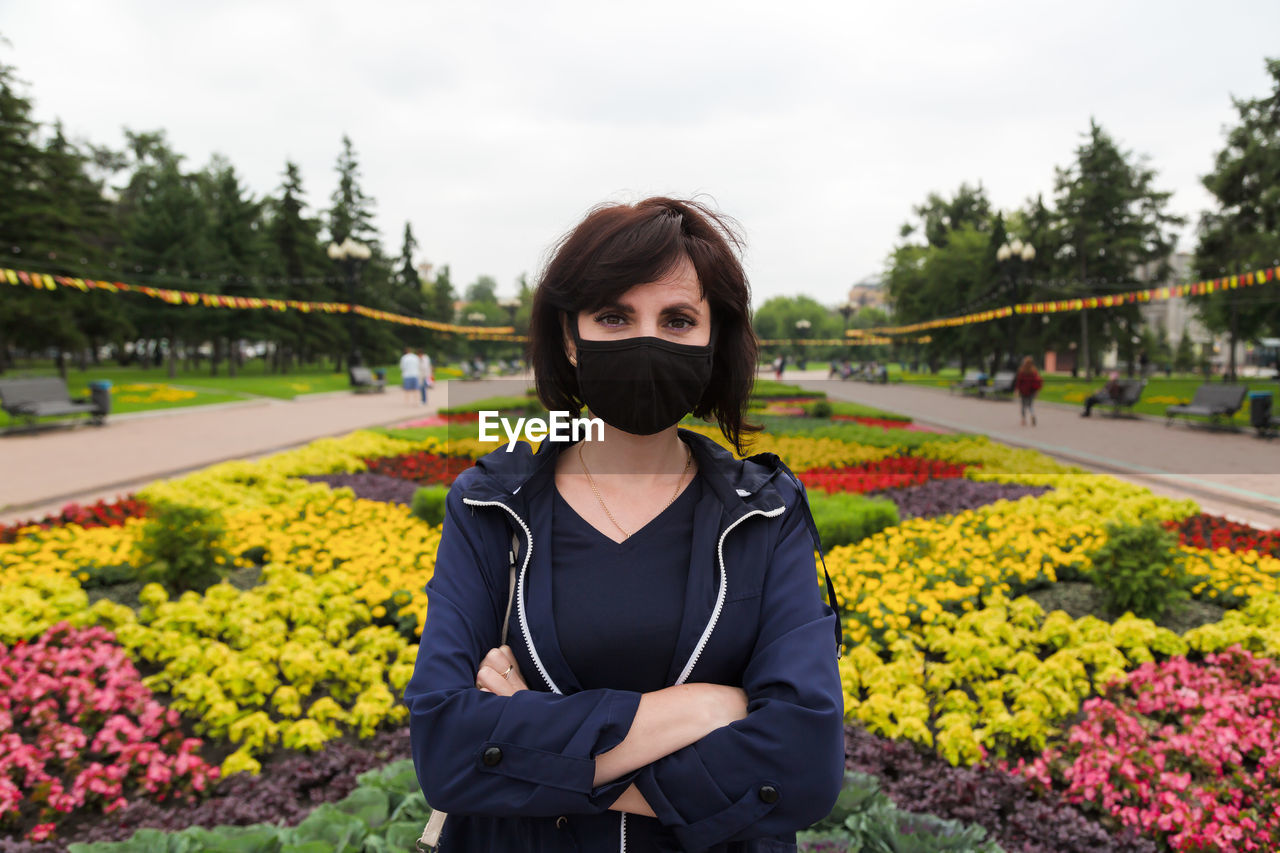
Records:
x=61, y=361
x=1235, y=339
x=216, y=358
x=233, y=357
x=173, y=353
x=1084, y=345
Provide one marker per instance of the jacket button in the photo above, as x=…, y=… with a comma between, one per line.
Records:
x=493, y=755
x=768, y=794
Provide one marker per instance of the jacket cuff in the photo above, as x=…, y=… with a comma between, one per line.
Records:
x=727, y=817
x=565, y=770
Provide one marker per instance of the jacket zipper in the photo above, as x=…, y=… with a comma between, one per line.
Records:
x=524, y=621
x=711, y=624
x=724, y=590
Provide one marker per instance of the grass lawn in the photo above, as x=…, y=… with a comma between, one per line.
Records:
x=136, y=390
x=1160, y=393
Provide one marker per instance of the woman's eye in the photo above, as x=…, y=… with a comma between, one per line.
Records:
x=681, y=323
x=610, y=319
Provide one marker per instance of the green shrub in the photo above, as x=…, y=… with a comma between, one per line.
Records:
x=501, y=404
x=865, y=819
x=182, y=547
x=1140, y=569
x=767, y=389
x=428, y=504
x=844, y=519
x=844, y=407
x=820, y=409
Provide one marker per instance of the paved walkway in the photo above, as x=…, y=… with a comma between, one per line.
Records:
x=1233, y=474
x=40, y=472
x=1229, y=473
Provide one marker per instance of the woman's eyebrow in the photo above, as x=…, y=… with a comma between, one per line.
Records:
x=673, y=308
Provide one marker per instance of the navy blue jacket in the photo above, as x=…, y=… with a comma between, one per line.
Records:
x=516, y=773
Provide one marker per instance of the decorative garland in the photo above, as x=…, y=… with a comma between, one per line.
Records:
x=1153, y=294
x=44, y=281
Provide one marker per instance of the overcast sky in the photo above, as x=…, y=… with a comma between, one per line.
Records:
x=493, y=127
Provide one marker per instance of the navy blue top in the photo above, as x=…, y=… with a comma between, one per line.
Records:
x=606, y=639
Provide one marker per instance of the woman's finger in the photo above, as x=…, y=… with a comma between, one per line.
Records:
x=489, y=679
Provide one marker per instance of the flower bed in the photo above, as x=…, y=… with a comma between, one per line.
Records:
x=98, y=514
x=949, y=497
x=369, y=486
x=946, y=659
x=882, y=474
x=1188, y=753
x=79, y=730
x=423, y=467
x=1213, y=531
x=1018, y=816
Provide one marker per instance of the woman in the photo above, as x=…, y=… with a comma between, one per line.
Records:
x=670, y=680
x=1028, y=383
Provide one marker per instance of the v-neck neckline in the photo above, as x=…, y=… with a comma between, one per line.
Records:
x=627, y=543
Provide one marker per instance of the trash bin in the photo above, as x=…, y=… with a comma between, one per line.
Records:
x=100, y=395
x=1260, y=410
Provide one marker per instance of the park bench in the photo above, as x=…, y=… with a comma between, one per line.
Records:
x=1130, y=393
x=972, y=383
x=1002, y=385
x=29, y=400
x=364, y=381
x=1211, y=401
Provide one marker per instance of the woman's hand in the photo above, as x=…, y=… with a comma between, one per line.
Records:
x=499, y=674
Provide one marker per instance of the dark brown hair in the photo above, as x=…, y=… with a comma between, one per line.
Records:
x=618, y=246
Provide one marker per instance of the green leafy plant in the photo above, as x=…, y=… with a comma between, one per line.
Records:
x=182, y=547
x=1140, y=569
x=385, y=812
x=428, y=504
x=865, y=820
x=820, y=409
x=844, y=519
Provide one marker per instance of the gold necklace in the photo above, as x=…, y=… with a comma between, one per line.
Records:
x=625, y=533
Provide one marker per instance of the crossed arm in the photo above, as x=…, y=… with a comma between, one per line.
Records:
x=666, y=721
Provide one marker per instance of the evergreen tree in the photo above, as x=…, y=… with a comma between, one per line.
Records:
x=237, y=246
x=29, y=319
x=1111, y=221
x=300, y=261
x=1244, y=232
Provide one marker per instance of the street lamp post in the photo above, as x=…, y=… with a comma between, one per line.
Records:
x=802, y=329
x=846, y=311
x=351, y=254
x=1010, y=254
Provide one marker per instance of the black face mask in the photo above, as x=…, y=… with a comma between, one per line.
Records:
x=641, y=385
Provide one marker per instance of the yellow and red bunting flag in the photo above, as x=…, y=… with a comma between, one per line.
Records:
x=1198, y=288
x=44, y=281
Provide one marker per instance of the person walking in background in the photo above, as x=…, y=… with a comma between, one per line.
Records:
x=426, y=378
x=779, y=364
x=409, y=373
x=1028, y=383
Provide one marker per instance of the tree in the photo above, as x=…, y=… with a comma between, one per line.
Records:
x=165, y=226
x=300, y=260
x=952, y=273
x=351, y=214
x=237, y=246
x=28, y=319
x=1244, y=232
x=1110, y=221
x=1184, y=356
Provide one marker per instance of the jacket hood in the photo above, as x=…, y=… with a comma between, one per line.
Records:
x=739, y=483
